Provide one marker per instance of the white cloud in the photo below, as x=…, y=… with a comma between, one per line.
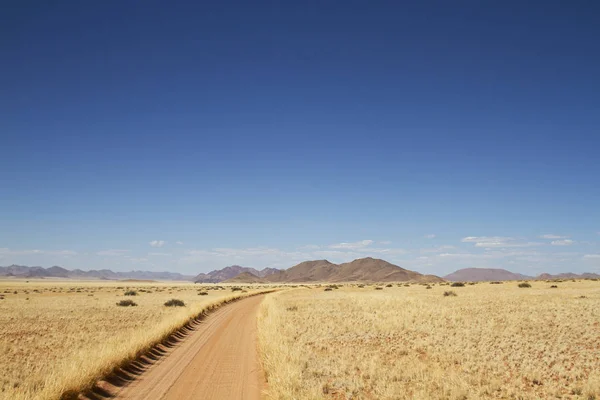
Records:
x=497, y=241
x=551, y=236
x=157, y=243
x=352, y=246
x=437, y=249
x=7, y=251
x=309, y=247
x=180, y=243
x=112, y=252
x=565, y=242
x=592, y=256
x=138, y=260
x=430, y=236
x=160, y=254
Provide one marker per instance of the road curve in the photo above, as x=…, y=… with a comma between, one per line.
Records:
x=217, y=360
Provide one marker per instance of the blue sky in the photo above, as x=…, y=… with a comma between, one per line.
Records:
x=188, y=137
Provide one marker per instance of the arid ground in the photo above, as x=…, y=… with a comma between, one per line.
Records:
x=408, y=342
x=344, y=341
x=57, y=336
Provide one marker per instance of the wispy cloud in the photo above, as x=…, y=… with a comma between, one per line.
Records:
x=157, y=243
x=430, y=236
x=592, y=256
x=497, y=241
x=438, y=249
x=160, y=254
x=179, y=243
x=352, y=246
x=565, y=242
x=7, y=251
x=112, y=252
x=551, y=236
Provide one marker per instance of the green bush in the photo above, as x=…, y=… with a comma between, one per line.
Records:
x=131, y=293
x=449, y=293
x=457, y=284
x=524, y=285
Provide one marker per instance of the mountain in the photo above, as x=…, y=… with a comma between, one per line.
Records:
x=569, y=275
x=232, y=271
x=307, y=271
x=376, y=270
x=491, y=274
x=22, y=271
x=484, y=274
x=245, y=277
x=363, y=269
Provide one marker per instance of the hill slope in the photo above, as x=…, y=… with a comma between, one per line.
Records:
x=307, y=271
x=245, y=277
x=220, y=275
x=484, y=274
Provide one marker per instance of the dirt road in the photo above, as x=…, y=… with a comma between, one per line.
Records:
x=217, y=360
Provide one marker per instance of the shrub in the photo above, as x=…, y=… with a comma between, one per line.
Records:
x=388, y=285
x=524, y=285
x=553, y=287
x=236, y=289
x=449, y=293
x=328, y=289
x=378, y=288
x=131, y=293
x=361, y=286
x=126, y=303
x=495, y=283
x=292, y=308
x=175, y=303
x=457, y=284
x=202, y=293
x=428, y=287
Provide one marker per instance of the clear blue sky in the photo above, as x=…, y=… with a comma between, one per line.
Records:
x=265, y=134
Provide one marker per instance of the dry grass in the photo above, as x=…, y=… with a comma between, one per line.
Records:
x=57, y=337
x=490, y=341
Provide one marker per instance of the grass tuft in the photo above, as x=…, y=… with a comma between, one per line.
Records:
x=127, y=303
x=175, y=303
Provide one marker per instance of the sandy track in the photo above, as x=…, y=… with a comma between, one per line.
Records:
x=217, y=360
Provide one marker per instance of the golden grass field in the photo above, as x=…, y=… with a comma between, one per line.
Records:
x=57, y=336
x=490, y=341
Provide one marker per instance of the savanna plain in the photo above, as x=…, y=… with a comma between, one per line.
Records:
x=478, y=341
x=348, y=341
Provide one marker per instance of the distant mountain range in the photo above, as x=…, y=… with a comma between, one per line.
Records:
x=232, y=271
x=360, y=270
x=22, y=271
x=491, y=274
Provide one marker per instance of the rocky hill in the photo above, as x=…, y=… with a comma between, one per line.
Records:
x=360, y=270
